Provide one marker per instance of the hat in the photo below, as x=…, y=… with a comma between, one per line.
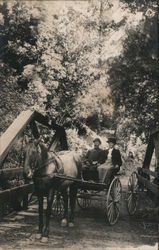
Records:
x=112, y=139
x=97, y=139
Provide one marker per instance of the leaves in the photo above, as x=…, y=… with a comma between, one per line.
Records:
x=76, y=62
x=133, y=79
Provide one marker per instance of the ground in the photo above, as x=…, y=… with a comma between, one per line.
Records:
x=91, y=231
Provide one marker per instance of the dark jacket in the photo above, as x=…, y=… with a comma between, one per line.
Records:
x=97, y=155
x=116, y=157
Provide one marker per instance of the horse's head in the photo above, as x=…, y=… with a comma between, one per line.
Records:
x=33, y=158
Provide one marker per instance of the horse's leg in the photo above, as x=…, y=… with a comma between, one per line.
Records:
x=50, y=198
x=72, y=196
x=65, y=200
x=40, y=201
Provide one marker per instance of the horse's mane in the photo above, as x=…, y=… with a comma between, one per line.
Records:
x=59, y=136
x=44, y=151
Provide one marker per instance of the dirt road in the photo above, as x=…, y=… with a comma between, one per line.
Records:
x=91, y=231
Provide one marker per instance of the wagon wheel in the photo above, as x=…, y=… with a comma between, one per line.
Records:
x=113, y=201
x=132, y=193
x=58, y=205
x=82, y=201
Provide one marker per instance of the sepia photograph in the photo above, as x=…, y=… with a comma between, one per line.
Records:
x=79, y=125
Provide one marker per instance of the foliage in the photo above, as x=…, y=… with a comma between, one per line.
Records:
x=80, y=61
x=140, y=5
x=133, y=77
x=18, y=35
x=83, y=143
x=67, y=68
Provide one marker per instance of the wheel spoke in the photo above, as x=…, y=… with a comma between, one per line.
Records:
x=113, y=201
x=58, y=206
x=132, y=193
x=132, y=203
x=117, y=191
x=117, y=208
x=84, y=201
x=130, y=199
x=109, y=208
x=110, y=204
x=114, y=213
x=110, y=198
x=110, y=213
x=118, y=194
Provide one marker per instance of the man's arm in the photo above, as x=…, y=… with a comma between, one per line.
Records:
x=103, y=156
x=86, y=160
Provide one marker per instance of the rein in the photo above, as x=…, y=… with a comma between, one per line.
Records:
x=51, y=160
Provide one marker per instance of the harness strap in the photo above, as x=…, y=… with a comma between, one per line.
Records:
x=61, y=169
x=57, y=168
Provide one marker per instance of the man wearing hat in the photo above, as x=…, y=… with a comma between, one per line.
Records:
x=113, y=161
x=95, y=155
x=93, y=159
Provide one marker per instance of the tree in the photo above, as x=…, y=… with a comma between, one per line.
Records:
x=133, y=77
x=72, y=64
x=79, y=61
x=66, y=63
x=18, y=36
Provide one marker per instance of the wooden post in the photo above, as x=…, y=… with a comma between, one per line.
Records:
x=149, y=152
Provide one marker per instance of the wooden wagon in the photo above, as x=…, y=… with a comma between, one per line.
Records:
x=145, y=180
x=108, y=193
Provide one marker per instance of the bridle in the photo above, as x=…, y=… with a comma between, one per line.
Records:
x=35, y=167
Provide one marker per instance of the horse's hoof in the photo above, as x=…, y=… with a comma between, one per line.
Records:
x=38, y=236
x=71, y=224
x=44, y=239
x=63, y=223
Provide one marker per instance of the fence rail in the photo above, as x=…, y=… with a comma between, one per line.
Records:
x=19, y=192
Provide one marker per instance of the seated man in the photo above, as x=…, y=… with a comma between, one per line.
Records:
x=93, y=159
x=113, y=162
